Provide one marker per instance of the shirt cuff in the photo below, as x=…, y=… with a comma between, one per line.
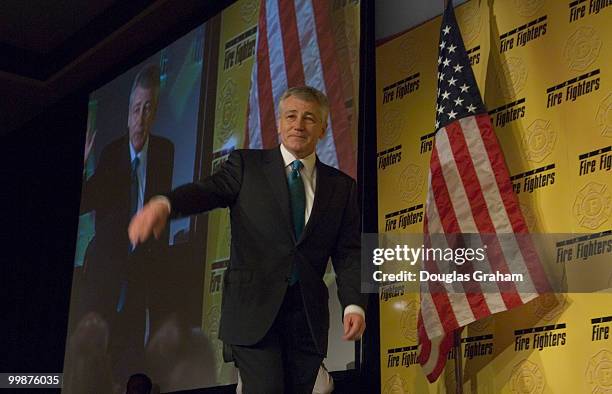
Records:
x=354, y=309
x=164, y=200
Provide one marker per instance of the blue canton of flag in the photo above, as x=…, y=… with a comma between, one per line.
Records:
x=458, y=94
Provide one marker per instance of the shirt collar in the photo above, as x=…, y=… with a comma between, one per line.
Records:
x=142, y=155
x=308, y=161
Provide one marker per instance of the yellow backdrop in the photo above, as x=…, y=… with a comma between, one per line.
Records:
x=543, y=71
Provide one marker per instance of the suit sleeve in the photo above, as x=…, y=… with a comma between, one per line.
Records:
x=216, y=191
x=92, y=189
x=346, y=257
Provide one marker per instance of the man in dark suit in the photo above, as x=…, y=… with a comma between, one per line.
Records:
x=290, y=213
x=131, y=169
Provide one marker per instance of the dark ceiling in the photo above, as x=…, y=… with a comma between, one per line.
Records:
x=51, y=49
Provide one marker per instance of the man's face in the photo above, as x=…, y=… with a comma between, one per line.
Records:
x=300, y=126
x=141, y=117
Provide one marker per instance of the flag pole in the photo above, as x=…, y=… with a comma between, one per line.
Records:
x=458, y=362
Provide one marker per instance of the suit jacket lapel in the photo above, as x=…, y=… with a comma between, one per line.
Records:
x=274, y=168
x=323, y=193
x=152, y=170
x=124, y=180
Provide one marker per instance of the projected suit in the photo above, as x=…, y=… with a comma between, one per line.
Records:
x=121, y=283
x=110, y=265
x=107, y=193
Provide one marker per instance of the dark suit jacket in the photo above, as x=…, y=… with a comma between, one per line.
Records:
x=253, y=184
x=107, y=192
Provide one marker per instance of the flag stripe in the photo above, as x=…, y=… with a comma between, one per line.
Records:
x=452, y=307
x=264, y=84
x=446, y=143
x=313, y=67
x=289, y=29
x=441, y=197
x=510, y=202
x=465, y=305
x=486, y=176
x=502, y=176
x=333, y=82
x=452, y=196
x=495, y=205
x=463, y=165
x=252, y=137
x=432, y=326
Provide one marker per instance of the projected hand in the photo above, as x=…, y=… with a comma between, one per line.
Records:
x=90, y=137
x=152, y=218
x=354, y=326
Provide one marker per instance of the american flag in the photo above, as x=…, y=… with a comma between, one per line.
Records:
x=469, y=192
x=295, y=47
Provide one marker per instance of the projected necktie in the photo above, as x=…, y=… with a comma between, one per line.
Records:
x=134, y=187
x=298, y=205
x=133, y=210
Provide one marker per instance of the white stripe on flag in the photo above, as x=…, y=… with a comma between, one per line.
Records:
x=458, y=300
x=464, y=215
x=495, y=206
x=486, y=176
x=254, y=118
x=428, y=320
x=452, y=179
x=313, y=72
x=276, y=56
x=431, y=321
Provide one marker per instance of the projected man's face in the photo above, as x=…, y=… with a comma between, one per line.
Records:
x=142, y=115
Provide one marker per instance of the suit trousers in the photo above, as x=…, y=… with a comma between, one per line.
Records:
x=286, y=359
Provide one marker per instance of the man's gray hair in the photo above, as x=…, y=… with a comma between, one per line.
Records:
x=310, y=94
x=147, y=78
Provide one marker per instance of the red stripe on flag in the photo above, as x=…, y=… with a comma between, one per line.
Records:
x=291, y=44
x=482, y=219
x=446, y=212
x=437, y=291
x=502, y=176
x=445, y=345
x=445, y=314
x=264, y=84
x=247, y=134
x=472, y=289
x=334, y=89
x=511, y=203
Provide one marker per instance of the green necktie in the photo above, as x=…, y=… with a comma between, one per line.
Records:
x=298, y=206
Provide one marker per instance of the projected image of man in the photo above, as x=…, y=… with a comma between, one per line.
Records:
x=119, y=280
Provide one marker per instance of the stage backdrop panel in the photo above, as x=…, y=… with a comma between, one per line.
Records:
x=237, y=54
x=544, y=74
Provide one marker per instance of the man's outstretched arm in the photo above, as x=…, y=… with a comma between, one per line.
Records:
x=215, y=191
